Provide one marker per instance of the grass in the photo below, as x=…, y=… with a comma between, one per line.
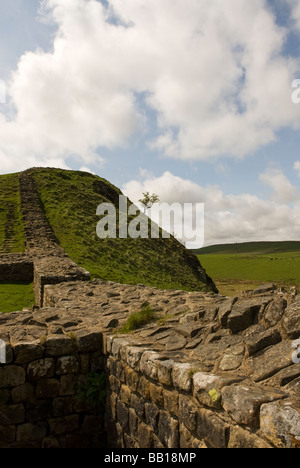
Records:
x=14, y=297
x=12, y=238
x=234, y=272
x=139, y=319
x=70, y=200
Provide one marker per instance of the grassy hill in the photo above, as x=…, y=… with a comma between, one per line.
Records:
x=236, y=267
x=69, y=200
x=251, y=248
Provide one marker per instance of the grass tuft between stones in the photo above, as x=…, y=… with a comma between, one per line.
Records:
x=139, y=319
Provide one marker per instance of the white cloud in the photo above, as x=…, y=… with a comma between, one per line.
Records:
x=231, y=218
x=297, y=167
x=215, y=85
x=283, y=190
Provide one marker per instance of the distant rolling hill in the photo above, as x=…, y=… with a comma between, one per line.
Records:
x=250, y=248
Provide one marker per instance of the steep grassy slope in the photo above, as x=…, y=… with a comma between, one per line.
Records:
x=70, y=200
x=12, y=237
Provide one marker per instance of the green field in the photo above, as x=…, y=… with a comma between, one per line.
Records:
x=240, y=267
x=16, y=296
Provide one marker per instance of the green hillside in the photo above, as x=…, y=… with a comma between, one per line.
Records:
x=237, y=267
x=253, y=248
x=70, y=200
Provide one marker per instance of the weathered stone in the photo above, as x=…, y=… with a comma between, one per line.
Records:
x=188, y=441
x=271, y=361
x=224, y=311
x=164, y=372
x=274, y=311
x=26, y=352
x=265, y=288
x=47, y=388
x=243, y=402
x=291, y=320
x=12, y=414
x=207, y=388
x=152, y=415
x=243, y=314
x=149, y=364
x=231, y=362
x=12, y=376
x=170, y=402
x=30, y=432
x=23, y=393
x=168, y=430
x=182, y=376
x=67, y=385
x=258, y=341
x=280, y=423
x=241, y=439
x=66, y=365
x=188, y=412
x=89, y=341
x=60, y=346
x=41, y=368
x=39, y=410
x=67, y=424
x=213, y=430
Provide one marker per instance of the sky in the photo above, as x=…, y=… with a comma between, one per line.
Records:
x=194, y=100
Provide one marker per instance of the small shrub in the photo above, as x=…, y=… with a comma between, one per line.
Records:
x=139, y=319
x=93, y=392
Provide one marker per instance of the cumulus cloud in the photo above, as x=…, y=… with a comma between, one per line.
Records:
x=230, y=218
x=213, y=72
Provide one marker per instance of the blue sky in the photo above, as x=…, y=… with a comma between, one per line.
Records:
x=161, y=95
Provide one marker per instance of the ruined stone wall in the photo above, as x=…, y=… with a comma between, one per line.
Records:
x=39, y=394
x=155, y=403
x=184, y=381
x=16, y=270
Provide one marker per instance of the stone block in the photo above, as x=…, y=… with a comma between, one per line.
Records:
x=27, y=352
x=60, y=345
x=64, y=425
x=213, y=430
x=188, y=412
x=42, y=368
x=67, y=385
x=12, y=414
x=67, y=365
x=12, y=376
x=168, y=430
x=182, y=376
x=241, y=439
x=149, y=364
x=23, y=393
x=47, y=388
x=30, y=432
x=243, y=403
x=164, y=372
x=280, y=423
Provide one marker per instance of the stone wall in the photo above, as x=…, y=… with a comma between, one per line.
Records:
x=208, y=372
x=16, y=268
x=155, y=403
x=39, y=394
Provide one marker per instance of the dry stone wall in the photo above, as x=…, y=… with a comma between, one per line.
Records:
x=188, y=379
